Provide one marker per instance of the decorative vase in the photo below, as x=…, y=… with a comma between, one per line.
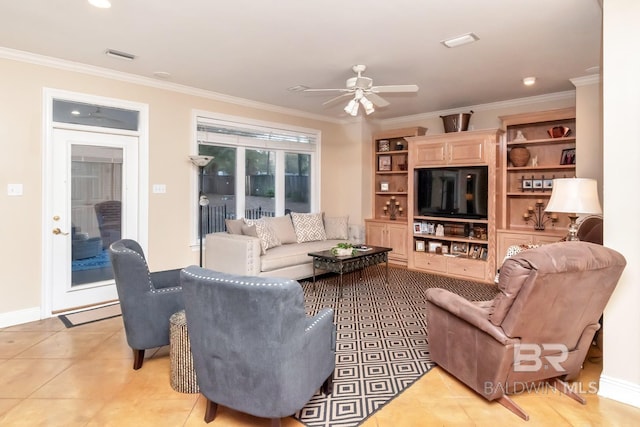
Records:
x=519, y=156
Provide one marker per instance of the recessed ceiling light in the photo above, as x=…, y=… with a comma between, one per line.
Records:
x=529, y=81
x=120, y=55
x=460, y=40
x=162, y=74
x=75, y=113
x=102, y=4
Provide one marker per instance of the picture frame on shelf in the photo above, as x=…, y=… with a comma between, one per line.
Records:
x=419, y=245
x=383, y=145
x=474, y=251
x=483, y=253
x=537, y=184
x=547, y=184
x=434, y=246
x=384, y=163
x=527, y=184
x=417, y=227
x=459, y=248
x=568, y=156
x=445, y=249
x=384, y=186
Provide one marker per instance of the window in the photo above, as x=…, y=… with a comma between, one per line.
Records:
x=259, y=169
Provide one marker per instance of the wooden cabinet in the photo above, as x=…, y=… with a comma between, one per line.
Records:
x=510, y=238
x=465, y=247
x=523, y=186
x=389, y=234
x=466, y=150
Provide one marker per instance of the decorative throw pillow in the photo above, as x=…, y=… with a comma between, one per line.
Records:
x=283, y=227
x=268, y=238
x=309, y=226
x=336, y=227
x=249, y=230
x=234, y=226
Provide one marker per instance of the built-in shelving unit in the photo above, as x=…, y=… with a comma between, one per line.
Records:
x=388, y=225
x=521, y=187
x=454, y=246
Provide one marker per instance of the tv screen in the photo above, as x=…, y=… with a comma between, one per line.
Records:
x=457, y=192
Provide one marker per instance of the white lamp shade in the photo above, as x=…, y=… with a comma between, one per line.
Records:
x=574, y=195
x=201, y=161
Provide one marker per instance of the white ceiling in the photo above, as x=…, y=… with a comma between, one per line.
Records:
x=255, y=49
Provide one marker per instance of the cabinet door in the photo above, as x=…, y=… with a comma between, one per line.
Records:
x=466, y=152
x=545, y=240
x=431, y=153
x=398, y=238
x=376, y=234
x=509, y=239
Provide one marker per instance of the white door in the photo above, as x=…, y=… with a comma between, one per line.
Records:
x=94, y=185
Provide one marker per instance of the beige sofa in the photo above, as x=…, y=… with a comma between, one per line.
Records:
x=243, y=254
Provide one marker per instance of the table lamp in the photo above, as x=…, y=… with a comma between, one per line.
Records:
x=201, y=162
x=575, y=196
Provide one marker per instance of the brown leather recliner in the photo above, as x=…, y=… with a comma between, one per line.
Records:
x=550, y=300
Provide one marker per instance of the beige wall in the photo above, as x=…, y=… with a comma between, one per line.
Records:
x=589, y=145
x=621, y=101
x=170, y=133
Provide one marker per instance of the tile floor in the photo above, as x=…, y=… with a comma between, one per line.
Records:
x=53, y=376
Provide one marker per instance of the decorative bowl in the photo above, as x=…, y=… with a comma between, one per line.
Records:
x=559, y=132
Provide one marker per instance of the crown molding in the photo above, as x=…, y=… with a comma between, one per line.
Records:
x=570, y=94
x=586, y=80
x=61, y=64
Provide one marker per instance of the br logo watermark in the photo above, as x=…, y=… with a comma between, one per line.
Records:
x=528, y=357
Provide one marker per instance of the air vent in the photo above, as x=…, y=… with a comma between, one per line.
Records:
x=120, y=55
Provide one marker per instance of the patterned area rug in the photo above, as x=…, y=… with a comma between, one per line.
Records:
x=381, y=344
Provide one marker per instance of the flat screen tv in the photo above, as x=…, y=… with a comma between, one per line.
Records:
x=454, y=192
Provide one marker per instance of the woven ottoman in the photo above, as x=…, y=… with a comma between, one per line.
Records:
x=183, y=375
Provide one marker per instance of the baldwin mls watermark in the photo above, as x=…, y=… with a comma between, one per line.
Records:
x=529, y=358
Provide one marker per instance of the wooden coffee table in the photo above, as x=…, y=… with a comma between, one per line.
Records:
x=327, y=261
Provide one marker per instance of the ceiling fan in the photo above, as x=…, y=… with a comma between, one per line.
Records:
x=363, y=92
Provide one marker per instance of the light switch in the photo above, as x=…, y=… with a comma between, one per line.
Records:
x=14, y=189
x=159, y=188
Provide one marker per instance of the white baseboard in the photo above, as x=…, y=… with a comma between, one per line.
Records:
x=18, y=317
x=620, y=390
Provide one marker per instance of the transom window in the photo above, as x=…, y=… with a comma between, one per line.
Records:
x=259, y=169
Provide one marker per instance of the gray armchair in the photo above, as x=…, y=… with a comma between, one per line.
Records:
x=254, y=349
x=147, y=299
x=537, y=329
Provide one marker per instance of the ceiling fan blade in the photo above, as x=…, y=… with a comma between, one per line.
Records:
x=377, y=100
x=326, y=90
x=395, y=88
x=333, y=101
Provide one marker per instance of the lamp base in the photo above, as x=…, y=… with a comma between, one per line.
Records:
x=572, y=236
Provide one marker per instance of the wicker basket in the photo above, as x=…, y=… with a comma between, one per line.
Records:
x=519, y=156
x=182, y=373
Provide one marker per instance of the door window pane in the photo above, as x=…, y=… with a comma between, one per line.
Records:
x=219, y=185
x=297, y=186
x=260, y=183
x=96, y=211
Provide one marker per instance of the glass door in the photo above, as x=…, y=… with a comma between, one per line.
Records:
x=94, y=204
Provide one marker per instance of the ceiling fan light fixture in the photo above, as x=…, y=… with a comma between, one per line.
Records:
x=352, y=107
x=460, y=40
x=529, y=81
x=368, y=105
